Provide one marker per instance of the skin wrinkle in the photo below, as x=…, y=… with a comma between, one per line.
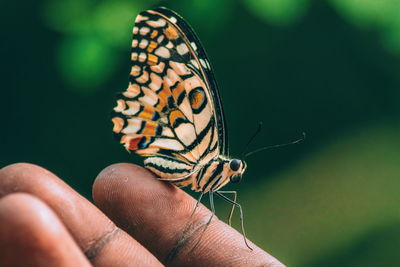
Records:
x=192, y=232
x=99, y=243
x=186, y=251
x=184, y=241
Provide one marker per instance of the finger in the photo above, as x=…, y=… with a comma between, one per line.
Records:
x=101, y=241
x=157, y=214
x=32, y=235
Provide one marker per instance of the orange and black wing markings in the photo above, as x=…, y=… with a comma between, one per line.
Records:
x=206, y=68
x=168, y=111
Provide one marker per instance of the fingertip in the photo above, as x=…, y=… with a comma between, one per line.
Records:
x=21, y=207
x=104, y=187
x=142, y=205
x=114, y=181
x=30, y=228
x=123, y=172
x=21, y=169
x=32, y=179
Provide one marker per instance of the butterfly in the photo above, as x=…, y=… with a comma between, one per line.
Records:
x=171, y=113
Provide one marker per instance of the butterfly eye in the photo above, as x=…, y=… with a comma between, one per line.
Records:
x=236, y=179
x=235, y=164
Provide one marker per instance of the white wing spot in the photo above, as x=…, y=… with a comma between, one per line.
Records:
x=194, y=46
x=182, y=49
x=135, y=70
x=120, y=105
x=162, y=52
x=167, y=144
x=144, y=78
x=194, y=63
x=156, y=24
x=150, y=97
x=132, y=91
x=133, y=108
x=158, y=68
x=144, y=30
x=133, y=126
x=156, y=82
x=203, y=63
x=173, y=19
x=134, y=56
x=140, y=18
x=142, y=57
x=143, y=44
x=179, y=68
x=160, y=39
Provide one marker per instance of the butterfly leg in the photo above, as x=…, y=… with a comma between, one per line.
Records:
x=211, y=194
x=240, y=210
x=233, y=205
x=197, y=204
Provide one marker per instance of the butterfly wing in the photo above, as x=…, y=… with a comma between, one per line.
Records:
x=170, y=113
x=205, y=68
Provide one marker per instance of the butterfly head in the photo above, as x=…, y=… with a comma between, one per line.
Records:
x=237, y=168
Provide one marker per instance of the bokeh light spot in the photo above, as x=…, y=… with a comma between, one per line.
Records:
x=85, y=63
x=279, y=12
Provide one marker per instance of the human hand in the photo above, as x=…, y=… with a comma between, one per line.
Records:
x=138, y=221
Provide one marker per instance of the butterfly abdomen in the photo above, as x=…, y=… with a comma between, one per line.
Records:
x=167, y=168
x=212, y=176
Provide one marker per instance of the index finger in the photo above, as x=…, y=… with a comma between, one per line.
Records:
x=158, y=215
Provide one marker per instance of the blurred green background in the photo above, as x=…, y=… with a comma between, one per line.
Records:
x=328, y=68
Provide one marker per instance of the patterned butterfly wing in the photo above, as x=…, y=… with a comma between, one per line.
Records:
x=171, y=112
x=201, y=62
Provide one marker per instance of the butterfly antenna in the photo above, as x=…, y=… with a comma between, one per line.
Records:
x=251, y=139
x=275, y=146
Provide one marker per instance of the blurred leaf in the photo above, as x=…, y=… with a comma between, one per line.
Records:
x=110, y=20
x=211, y=16
x=93, y=29
x=391, y=35
x=368, y=13
x=279, y=12
x=69, y=16
x=391, y=41
x=114, y=21
x=85, y=63
x=383, y=15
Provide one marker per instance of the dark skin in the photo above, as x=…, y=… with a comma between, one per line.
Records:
x=136, y=221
